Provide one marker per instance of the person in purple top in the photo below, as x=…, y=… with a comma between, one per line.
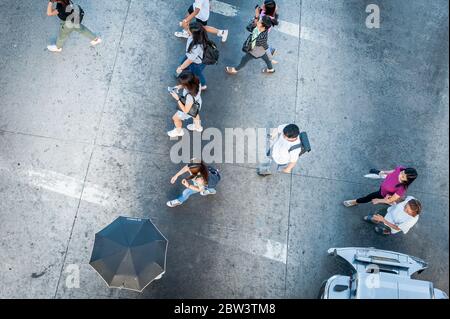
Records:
x=393, y=188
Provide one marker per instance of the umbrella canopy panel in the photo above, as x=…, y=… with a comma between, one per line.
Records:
x=129, y=253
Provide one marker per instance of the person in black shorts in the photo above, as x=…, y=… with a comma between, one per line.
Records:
x=200, y=10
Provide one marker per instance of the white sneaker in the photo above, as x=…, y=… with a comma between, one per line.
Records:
x=96, y=41
x=192, y=127
x=373, y=176
x=53, y=48
x=175, y=133
x=173, y=203
x=182, y=34
x=224, y=35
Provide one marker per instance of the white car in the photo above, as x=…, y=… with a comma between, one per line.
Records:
x=378, y=274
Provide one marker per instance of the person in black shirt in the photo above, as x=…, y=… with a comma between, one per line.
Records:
x=70, y=21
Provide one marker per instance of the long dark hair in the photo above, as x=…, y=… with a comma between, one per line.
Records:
x=271, y=10
x=198, y=168
x=199, y=35
x=190, y=82
x=64, y=3
x=411, y=175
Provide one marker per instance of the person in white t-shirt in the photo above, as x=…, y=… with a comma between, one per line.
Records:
x=284, y=150
x=200, y=10
x=397, y=218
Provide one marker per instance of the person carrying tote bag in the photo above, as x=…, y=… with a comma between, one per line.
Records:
x=256, y=47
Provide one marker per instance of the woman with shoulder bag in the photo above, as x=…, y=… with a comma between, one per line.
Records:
x=195, y=49
x=189, y=103
x=256, y=47
x=198, y=175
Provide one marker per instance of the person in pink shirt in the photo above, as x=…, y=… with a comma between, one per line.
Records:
x=393, y=188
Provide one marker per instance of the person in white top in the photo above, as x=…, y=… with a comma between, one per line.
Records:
x=397, y=218
x=284, y=150
x=200, y=10
x=190, y=84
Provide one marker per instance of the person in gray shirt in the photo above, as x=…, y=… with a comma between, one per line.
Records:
x=192, y=60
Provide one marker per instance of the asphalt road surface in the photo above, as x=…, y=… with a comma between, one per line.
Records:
x=83, y=140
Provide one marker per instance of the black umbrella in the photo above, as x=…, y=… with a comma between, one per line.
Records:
x=129, y=253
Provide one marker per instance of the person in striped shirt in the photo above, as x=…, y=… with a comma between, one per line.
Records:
x=257, y=47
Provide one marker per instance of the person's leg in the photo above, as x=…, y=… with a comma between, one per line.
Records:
x=196, y=126
x=178, y=122
x=64, y=33
x=220, y=33
x=368, y=198
x=245, y=59
x=83, y=30
x=186, y=194
x=266, y=59
x=197, y=69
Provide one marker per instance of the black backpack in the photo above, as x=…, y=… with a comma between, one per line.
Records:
x=214, y=177
x=211, y=53
x=80, y=10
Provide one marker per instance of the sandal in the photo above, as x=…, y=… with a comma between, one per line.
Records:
x=231, y=70
x=266, y=70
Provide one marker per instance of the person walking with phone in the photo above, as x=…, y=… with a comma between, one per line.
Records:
x=71, y=17
x=196, y=182
x=393, y=188
x=200, y=10
x=284, y=150
x=256, y=47
x=189, y=103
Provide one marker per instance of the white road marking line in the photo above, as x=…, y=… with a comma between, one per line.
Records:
x=68, y=186
x=223, y=8
x=288, y=28
x=276, y=251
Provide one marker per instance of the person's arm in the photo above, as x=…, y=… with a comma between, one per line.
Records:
x=386, y=172
x=184, y=66
x=289, y=168
x=183, y=171
x=191, y=187
x=381, y=219
x=189, y=17
x=50, y=11
x=387, y=200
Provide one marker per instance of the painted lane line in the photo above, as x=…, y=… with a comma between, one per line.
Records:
x=288, y=28
x=223, y=8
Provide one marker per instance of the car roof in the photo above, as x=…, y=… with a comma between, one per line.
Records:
x=390, y=286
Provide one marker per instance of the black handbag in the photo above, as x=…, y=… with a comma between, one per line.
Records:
x=247, y=47
x=195, y=108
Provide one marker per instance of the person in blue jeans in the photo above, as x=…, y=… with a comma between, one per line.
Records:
x=197, y=182
x=193, y=59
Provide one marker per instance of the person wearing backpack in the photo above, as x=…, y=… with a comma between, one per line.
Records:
x=284, y=150
x=256, y=47
x=199, y=176
x=189, y=103
x=71, y=17
x=195, y=49
x=200, y=10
